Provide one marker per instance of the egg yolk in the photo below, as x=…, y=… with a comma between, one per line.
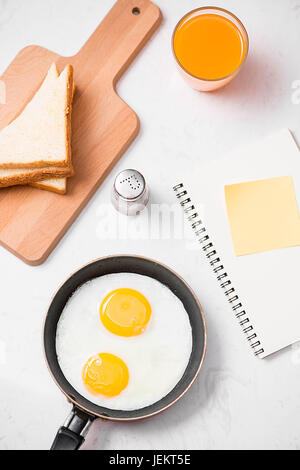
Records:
x=105, y=374
x=125, y=312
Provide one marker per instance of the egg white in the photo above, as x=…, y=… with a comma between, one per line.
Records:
x=156, y=359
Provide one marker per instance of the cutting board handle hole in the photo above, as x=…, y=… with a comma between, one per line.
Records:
x=136, y=11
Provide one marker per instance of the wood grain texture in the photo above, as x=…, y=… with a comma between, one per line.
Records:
x=103, y=126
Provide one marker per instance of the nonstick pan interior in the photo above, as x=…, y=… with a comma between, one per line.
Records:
x=138, y=265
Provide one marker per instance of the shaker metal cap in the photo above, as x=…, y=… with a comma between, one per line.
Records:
x=130, y=184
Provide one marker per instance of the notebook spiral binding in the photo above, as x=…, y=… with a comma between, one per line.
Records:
x=218, y=268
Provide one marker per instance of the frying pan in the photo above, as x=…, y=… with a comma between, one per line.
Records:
x=71, y=435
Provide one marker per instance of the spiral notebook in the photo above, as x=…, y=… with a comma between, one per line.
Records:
x=262, y=288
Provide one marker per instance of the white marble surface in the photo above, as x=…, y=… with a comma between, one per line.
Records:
x=238, y=401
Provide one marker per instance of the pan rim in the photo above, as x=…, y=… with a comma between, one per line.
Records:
x=147, y=415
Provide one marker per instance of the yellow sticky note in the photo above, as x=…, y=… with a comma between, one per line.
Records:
x=263, y=215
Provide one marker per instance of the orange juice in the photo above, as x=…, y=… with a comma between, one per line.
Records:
x=209, y=46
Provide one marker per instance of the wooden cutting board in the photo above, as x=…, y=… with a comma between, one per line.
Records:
x=32, y=221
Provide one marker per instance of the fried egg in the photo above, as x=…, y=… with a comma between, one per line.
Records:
x=105, y=374
x=123, y=341
x=125, y=312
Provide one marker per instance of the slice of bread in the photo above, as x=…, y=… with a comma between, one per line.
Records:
x=12, y=177
x=40, y=136
x=56, y=185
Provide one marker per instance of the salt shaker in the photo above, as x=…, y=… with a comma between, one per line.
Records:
x=130, y=193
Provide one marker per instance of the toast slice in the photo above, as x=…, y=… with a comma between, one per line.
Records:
x=57, y=184
x=40, y=136
x=12, y=177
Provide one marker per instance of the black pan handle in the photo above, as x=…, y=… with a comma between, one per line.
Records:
x=71, y=435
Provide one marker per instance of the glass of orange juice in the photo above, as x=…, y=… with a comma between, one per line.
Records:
x=210, y=46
